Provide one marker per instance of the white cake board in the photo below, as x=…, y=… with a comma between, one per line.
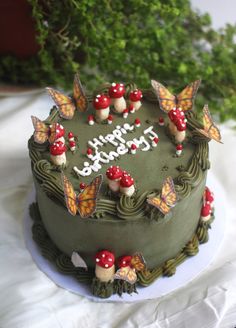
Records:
x=185, y=273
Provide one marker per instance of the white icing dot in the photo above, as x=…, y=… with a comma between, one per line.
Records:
x=120, y=88
x=97, y=260
x=113, y=84
x=103, y=255
x=114, y=90
x=122, y=84
x=110, y=259
x=124, y=262
x=86, y=164
x=96, y=100
x=98, y=96
x=106, y=265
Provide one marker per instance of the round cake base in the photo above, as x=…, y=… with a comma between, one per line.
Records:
x=185, y=273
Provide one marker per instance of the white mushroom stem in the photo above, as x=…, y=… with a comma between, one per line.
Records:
x=102, y=114
x=137, y=104
x=119, y=104
x=58, y=159
x=180, y=136
x=172, y=128
x=105, y=274
x=127, y=191
x=114, y=185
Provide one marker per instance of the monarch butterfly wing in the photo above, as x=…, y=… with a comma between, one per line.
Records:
x=185, y=98
x=209, y=126
x=159, y=203
x=52, y=136
x=79, y=95
x=64, y=103
x=70, y=195
x=127, y=273
x=87, y=199
x=138, y=262
x=168, y=193
x=167, y=101
x=40, y=130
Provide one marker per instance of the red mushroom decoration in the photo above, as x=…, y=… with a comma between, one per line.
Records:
x=177, y=124
x=91, y=120
x=206, y=212
x=137, y=122
x=124, y=261
x=125, y=113
x=116, y=92
x=179, y=149
x=135, y=97
x=127, y=185
x=89, y=153
x=131, y=109
x=101, y=103
x=133, y=149
x=155, y=141
x=208, y=196
x=59, y=131
x=114, y=174
x=161, y=121
x=58, y=153
x=82, y=185
x=110, y=119
x=105, y=267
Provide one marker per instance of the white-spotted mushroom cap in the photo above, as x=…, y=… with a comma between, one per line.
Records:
x=105, y=259
x=101, y=101
x=126, y=181
x=57, y=148
x=124, y=261
x=117, y=90
x=135, y=95
x=114, y=173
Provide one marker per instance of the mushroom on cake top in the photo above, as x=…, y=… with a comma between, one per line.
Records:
x=101, y=103
x=177, y=124
x=91, y=120
x=110, y=119
x=58, y=153
x=179, y=149
x=127, y=185
x=116, y=93
x=135, y=97
x=105, y=265
x=114, y=174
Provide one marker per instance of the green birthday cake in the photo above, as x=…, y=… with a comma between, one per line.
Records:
x=120, y=180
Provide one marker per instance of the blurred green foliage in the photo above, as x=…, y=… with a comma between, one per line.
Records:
x=133, y=40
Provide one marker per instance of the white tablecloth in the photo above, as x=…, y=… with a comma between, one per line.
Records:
x=28, y=298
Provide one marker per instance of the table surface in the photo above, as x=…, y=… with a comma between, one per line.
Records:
x=28, y=298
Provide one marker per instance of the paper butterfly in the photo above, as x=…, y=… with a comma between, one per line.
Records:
x=85, y=202
x=67, y=105
x=184, y=100
x=77, y=261
x=167, y=199
x=128, y=273
x=210, y=130
x=43, y=132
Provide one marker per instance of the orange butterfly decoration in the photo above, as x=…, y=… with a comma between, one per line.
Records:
x=210, y=130
x=167, y=199
x=183, y=100
x=128, y=273
x=85, y=202
x=43, y=132
x=67, y=105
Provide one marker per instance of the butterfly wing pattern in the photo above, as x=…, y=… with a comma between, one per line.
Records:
x=65, y=104
x=138, y=262
x=127, y=273
x=185, y=98
x=168, y=101
x=167, y=199
x=41, y=131
x=79, y=95
x=85, y=202
x=210, y=130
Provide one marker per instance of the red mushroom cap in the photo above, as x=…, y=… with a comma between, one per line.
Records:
x=135, y=95
x=206, y=210
x=156, y=140
x=117, y=90
x=89, y=151
x=179, y=147
x=124, y=261
x=126, y=181
x=110, y=118
x=57, y=148
x=133, y=146
x=105, y=259
x=209, y=197
x=72, y=143
x=176, y=114
x=70, y=135
x=181, y=125
x=101, y=101
x=114, y=172
x=82, y=185
x=90, y=118
x=131, y=107
x=60, y=131
x=125, y=111
x=137, y=121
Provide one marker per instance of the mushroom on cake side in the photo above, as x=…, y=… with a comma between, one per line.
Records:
x=58, y=153
x=135, y=97
x=101, y=103
x=105, y=266
x=114, y=174
x=206, y=212
x=116, y=93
